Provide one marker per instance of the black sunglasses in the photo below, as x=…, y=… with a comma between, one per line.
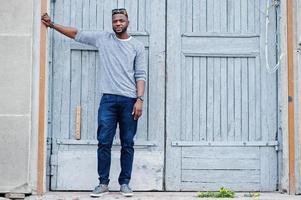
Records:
x=119, y=11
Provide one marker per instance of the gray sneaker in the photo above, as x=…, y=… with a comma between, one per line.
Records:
x=126, y=191
x=100, y=190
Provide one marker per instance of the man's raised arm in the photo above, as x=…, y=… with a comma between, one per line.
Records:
x=68, y=31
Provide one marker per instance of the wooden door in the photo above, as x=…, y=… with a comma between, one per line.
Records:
x=74, y=72
x=221, y=114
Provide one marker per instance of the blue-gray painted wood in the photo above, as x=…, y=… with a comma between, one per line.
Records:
x=220, y=59
x=74, y=83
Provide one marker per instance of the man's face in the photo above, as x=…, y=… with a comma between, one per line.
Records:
x=119, y=23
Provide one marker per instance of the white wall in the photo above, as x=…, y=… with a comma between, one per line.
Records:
x=17, y=64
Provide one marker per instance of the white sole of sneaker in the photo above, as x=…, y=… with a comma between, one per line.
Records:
x=127, y=194
x=98, y=195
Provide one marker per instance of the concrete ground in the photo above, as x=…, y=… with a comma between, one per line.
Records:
x=155, y=196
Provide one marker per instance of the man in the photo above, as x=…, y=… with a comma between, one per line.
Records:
x=122, y=82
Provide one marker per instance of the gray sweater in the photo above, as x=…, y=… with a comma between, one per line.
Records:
x=122, y=62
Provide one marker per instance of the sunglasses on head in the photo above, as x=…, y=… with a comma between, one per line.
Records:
x=119, y=11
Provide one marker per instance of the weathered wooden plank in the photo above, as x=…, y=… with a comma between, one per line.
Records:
x=245, y=99
x=93, y=15
x=100, y=14
x=251, y=16
x=224, y=100
x=75, y=88
x=244, y=16
x=257, y=15
x=84, y=87
x=231, y=16
x=223, y=16
x=173, y=97
x=183, y=98
x=210, y=99
x=120, y=3
x=217, y=100
x=258, y=99
x=196, y=99
x=196, y=12
x=221, y=176
x=193, y=186
x=217, y=16
x=252, y=99
x=237, y=16
x=220, y=163
x=203, y=98
x=65, y=87
x=189, y=15
x=188, y=96
x=264, y=166
x=221, y=152
x=237, y=98
x=210, y=16
x=202, y=18
x=231, y=98
x=227, y=45
x=141, y=15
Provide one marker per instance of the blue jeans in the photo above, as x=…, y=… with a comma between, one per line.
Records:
x=115, y=109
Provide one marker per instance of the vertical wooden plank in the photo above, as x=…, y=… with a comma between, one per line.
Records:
x=252, y=98
x=210, y=98
x=210, y=16
x=141, y=15
x=196, y=16
x=203, y=98
x=231, y=16
x=86, y=14
x=237, y=16
x=173, y=97
x=75, y=96
x=97, y=91
x=121, y=3
x=91, y=131
x=65, y=87
x=237, y=100
x=189, y=97
x=183, y=97
x=245, y=100
x=251, y=16
x=196, y=99
x=258, y=99
x=224, y=15
x=84, y=87
x=202, y=15
x=217, y=100
x=93, y=15
x=244, y=16
x=264, y=169
x=257, y=16
x=78, y=123
x=100, y=14
x=189, y=16
x=217, y=16
x=231, y=98
x=224, y=100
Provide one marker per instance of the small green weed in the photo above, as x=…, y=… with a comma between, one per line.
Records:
x=222, y=193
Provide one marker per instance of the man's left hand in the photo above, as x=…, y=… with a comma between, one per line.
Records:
x=137, y=110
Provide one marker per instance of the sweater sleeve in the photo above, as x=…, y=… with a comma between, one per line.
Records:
x=89, y=37
x=140, y=65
